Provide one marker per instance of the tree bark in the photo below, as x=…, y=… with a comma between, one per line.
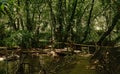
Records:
x=68, y=28
x=88, y=23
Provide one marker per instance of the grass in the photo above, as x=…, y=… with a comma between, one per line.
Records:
x=79, y=67
x=2, y=67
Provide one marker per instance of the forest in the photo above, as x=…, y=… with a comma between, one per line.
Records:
x=59, y=37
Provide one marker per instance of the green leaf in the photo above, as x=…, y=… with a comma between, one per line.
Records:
x=2, y=7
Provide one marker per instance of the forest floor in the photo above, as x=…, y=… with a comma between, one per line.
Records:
x=81, y=67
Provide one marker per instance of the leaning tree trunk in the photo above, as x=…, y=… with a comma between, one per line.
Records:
x=110, y=29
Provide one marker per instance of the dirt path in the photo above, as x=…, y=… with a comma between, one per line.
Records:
x=80, y=67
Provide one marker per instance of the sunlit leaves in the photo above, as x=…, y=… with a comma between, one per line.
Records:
x=2, y=9
x=2, y=6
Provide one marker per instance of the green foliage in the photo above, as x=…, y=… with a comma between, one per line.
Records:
x=13, y=39
x=26, y=39
x=2, y=7
x=64, y=20
x=19, y=38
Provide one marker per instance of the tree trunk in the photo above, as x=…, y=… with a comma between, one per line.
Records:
x=88, y=23
x=110, y=29
x=69, y=27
